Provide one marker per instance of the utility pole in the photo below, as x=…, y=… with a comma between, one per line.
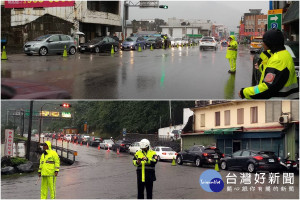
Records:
x=170, y=106
x=29, y=132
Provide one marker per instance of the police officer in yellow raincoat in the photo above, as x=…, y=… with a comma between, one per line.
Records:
x=278, y=76
x=48, y=170
x=231, y=54
x=145, y=161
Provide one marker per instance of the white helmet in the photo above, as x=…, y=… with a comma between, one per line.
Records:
x=144, y=143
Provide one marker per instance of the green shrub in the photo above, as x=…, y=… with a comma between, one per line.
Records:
x=17, y=161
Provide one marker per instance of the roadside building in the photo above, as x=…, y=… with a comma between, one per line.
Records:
x=180, y=28
x=236, y=125
x=252, y=24
x=70, y=130
x=32, y=19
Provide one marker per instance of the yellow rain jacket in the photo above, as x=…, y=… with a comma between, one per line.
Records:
x=232, y=49
x=278, y=79
x=49, y=164
x=146, y=169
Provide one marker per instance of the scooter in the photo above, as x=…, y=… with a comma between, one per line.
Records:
x=289, y=165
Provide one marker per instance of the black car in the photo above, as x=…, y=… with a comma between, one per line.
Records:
x=94, y=141
x=156, y=42
x=199, y=155
x=122, y=145
x=252, y=161
x=99, y=44
x=291, y=47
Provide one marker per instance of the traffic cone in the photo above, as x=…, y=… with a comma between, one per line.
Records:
x=76, y=142
x=4, y=56
x=118, y=152
x=151, y=48
x=140, y=48
x=99, y=147
x=163, y=45
x=217, y=166
x=87, y=144
x=65, y=52
x=177, y=45
x=173, y=162
x=80, y=143
x=112, y=50
x=108, y=149
x=170, y=46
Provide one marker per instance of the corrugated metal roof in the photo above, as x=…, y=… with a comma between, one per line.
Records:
x=292, y=14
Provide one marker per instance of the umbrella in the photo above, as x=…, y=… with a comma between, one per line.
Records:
x=78, y=33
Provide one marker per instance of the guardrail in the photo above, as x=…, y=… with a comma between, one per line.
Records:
x=63, y=150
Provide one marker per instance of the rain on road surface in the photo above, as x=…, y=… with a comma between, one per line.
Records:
x=106, y=175
x=177, y=73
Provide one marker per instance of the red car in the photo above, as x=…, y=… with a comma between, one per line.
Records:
x=16, y=89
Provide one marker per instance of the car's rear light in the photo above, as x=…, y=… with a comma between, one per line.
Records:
x=122, y=145
x=205, y=154
x=258, y=157
x=176, y=154
x=288, y=162
x=212, y=147
x=278, y=159
x=223, y=155
x=164, y=153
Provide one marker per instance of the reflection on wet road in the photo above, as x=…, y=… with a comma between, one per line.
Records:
x=177, y=73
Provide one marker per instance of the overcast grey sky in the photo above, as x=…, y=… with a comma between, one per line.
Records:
x=222, y=12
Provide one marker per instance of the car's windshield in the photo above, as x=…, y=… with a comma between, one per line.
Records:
x=41, y=38
x=109, y=141
x=207, y=40
x=95, y=40
x=166, y=149
x=130, y=39
x=151, y=39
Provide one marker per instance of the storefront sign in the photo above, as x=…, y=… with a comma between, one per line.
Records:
x=38, y=4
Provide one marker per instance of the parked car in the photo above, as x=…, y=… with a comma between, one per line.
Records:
x=256, y=44
x=85, y=139
x=208, y=43
x=17, y=89
x=75, y=138
x=251, y=161
x=122, y=145
x=134, y=147
x=199, y=155
x=291, y=47
x=52, y=44
x=107, y=143
x=165, y=153
x=99, y=44
x=133, y=43
x=156, y=42
x=94, y=141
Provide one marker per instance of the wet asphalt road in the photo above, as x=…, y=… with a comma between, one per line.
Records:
x=106, y=175
x=177, y=73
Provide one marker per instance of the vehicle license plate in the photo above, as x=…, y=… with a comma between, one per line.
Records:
x=170, y=153
x=82, y=48
x=271, y=160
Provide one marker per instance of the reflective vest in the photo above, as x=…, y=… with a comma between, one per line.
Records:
x=232, y=49
x=49, y=163
x=263, y=59
x=278, y=79
x=146, y=169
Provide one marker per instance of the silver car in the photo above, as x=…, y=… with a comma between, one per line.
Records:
x=52, y=43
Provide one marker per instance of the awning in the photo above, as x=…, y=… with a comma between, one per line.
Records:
x=292, y=14
x=224, y=131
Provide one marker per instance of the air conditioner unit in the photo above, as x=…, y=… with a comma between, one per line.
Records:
x=284, y=119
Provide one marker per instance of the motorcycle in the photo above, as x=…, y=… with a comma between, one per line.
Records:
x=289, y=165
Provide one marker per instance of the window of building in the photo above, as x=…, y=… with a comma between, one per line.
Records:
x=227, y=117
x=202, y=120
x=253, y=115
x=240, y=115
x=295, y=110
x=217, y=118
x=273, y=111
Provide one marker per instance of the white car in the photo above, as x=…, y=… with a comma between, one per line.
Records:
x=178, y=41
x=134, y=147
x=165, y=153
x=106, y=143
x=68, y=137
x=208, y=43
